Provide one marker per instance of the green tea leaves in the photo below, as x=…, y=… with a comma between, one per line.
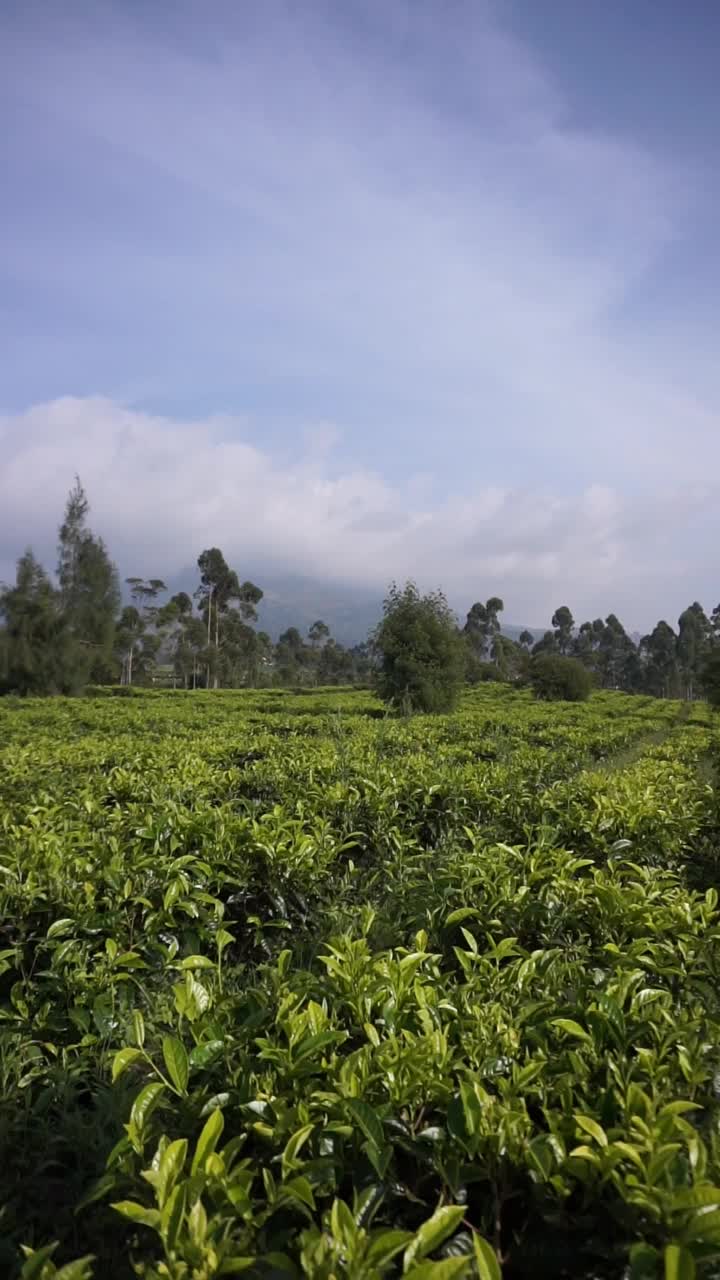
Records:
x=176, y=1061
x=433, y=1233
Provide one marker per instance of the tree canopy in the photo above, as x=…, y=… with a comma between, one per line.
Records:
x=421, y=659
x=555, y=678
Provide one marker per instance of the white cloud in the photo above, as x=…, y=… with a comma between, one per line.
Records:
x=393, y=218
x=162, y=490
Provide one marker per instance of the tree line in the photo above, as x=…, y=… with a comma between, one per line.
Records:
x=61, y=635
x=423, y=657
x=666, y=663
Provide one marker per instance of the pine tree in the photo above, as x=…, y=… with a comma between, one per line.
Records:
x=89, y=593
x=35, y=646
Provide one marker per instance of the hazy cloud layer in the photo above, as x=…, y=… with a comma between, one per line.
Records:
x=373, y=299
x=162, y=490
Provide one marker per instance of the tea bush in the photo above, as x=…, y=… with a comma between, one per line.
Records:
x=292, y=988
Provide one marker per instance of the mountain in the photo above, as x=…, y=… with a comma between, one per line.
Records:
x=350, y=612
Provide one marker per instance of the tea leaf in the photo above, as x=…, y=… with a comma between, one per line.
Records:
x=123, y=1059
x=176, y=1061
x=433, y=1232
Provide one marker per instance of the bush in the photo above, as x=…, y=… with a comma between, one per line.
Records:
x=557, y=679
x=420, y=650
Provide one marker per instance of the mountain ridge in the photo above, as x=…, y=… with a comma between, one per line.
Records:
x=350, y=612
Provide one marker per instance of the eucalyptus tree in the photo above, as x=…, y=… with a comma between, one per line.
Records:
x=693, y=643
x=139, y=632
x=318, y=633
x=89, y=591
x=658, y=654
x=564, y=625
x=482, y=626
x=219, y=589
x=615, y=649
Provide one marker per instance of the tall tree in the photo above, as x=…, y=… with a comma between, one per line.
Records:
x=318, y=633
x=494, y=607
x=89, y=591
x=710, y=676
x=335, y=664
x=476, y=629
x=615, y=649
x=219, y=587
x=291, y=657
x=181, y=603
x=564, y=625
x=239, y=654
x=36, y=647
x=189, y=649
x=139, y=636
x=658, y=652
x=510, y=658
x=586, y=645
x=482, y=626
x=261, y=658
x=693, y=642
x=546, y=644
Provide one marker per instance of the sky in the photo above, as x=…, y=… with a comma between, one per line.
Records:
x=368, y=290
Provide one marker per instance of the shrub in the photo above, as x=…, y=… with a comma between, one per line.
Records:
x=559, y=679
x=421, y=652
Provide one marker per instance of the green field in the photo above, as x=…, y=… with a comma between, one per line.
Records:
x=292, y=988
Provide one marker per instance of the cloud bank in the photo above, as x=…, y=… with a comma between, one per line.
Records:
x=162, y=490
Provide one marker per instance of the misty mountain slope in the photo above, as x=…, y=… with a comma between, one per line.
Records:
x=350, y=612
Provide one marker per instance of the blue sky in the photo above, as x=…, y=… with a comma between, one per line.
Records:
x=369, y=290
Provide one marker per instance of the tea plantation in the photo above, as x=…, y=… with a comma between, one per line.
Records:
x=290, y=988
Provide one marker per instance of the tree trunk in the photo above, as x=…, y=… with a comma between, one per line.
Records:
x=210, y=597
x=217, y=642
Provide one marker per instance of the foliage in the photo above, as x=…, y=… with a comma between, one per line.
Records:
x=55, y=638
x=421, y=655
x=482, y=627
x=89, y=595
x=293, y=988
x=563, y=624
x=660, y=653
x=34, y=641
x=693, y=642
x=710, y=677
x=556, y=678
